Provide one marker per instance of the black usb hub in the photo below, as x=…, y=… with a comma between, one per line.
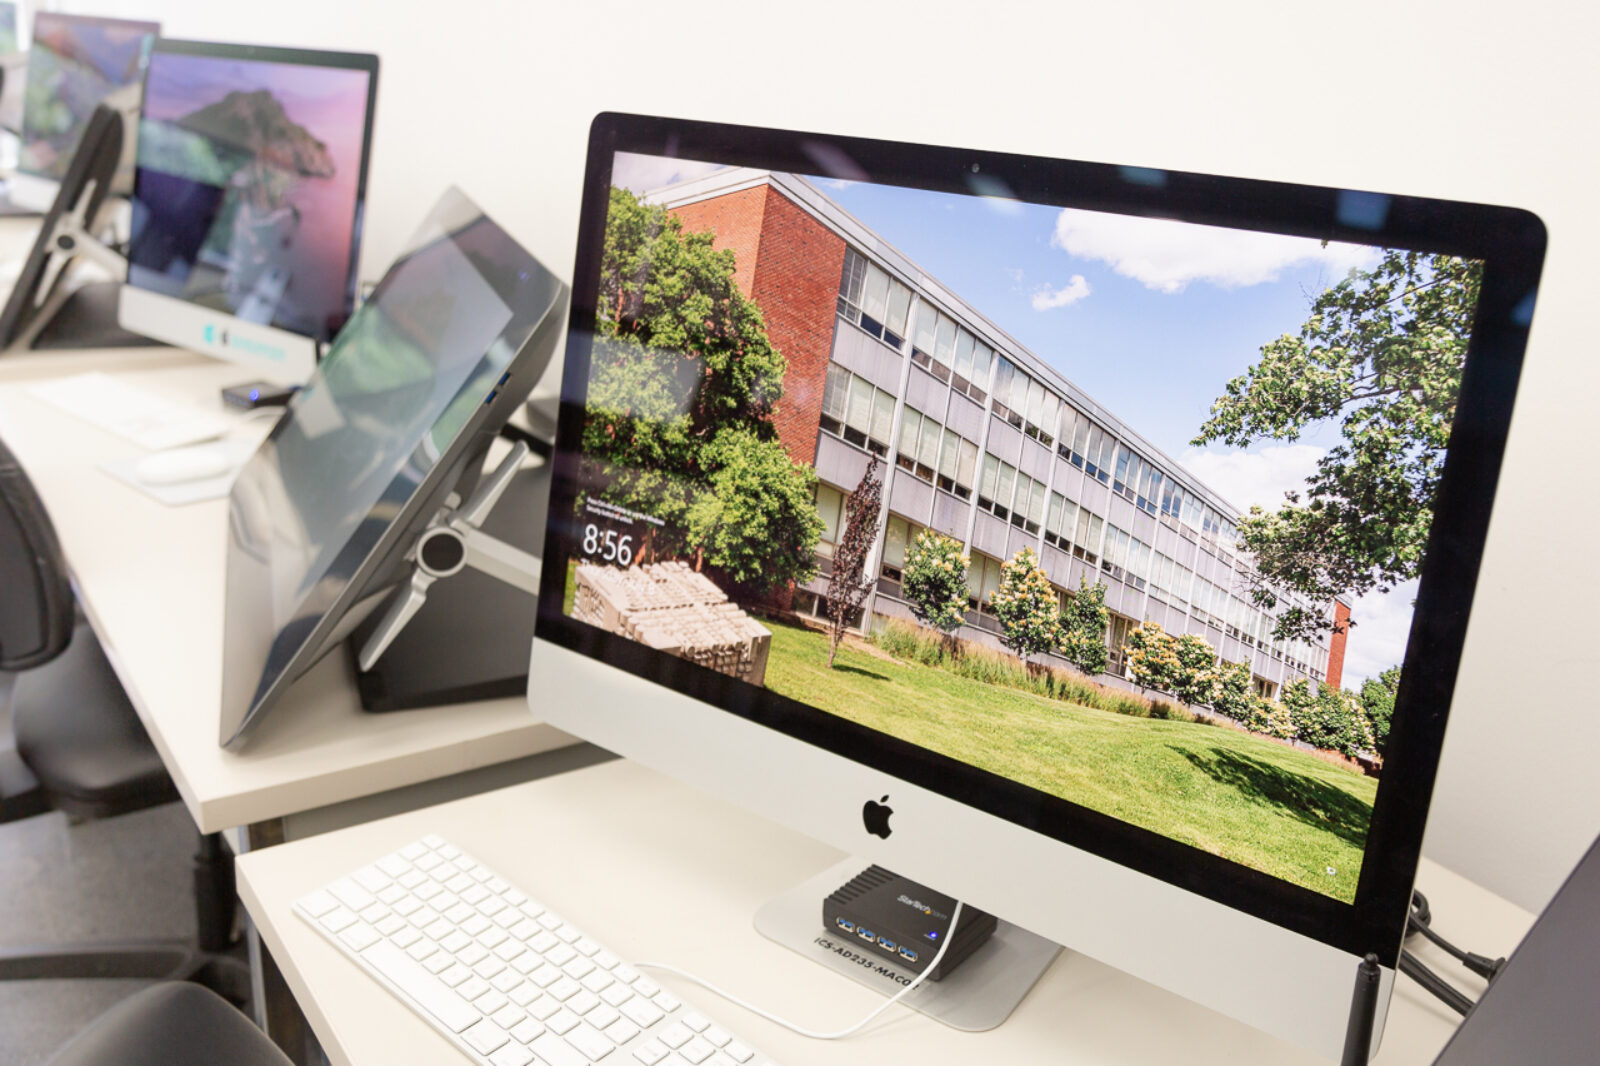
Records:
x=881, y=912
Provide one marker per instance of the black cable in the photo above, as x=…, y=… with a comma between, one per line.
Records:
x=538, y=445
x=1412, y=968
x=1420, y=922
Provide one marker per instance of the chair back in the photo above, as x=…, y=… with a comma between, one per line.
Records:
x=36, y=602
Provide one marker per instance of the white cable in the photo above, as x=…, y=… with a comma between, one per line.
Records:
x=955, y=916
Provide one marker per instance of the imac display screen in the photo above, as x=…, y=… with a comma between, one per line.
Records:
x=250, y=180
x=361, y=446
x=75, y=64
x=1111, y=511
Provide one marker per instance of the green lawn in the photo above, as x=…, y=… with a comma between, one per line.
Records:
x=1263, y=804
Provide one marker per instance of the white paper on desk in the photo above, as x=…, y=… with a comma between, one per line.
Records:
x=183, y=492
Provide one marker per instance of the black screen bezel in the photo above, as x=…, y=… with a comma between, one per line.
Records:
x=1510, y=242
x=307, y=57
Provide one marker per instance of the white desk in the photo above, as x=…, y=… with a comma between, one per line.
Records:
x=150, y=579
x=661, y=871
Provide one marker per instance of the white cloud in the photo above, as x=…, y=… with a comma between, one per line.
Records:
x=1045, y=297
x=1256, y=475
x=1167, y=256
x=646, y=173
x=1377, y=640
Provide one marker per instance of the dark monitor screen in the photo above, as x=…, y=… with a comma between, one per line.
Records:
x=432, y=358
x=74, y=64
x=250, y=181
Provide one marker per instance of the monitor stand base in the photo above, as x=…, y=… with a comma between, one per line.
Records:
x=469, y=641
x=977, y=996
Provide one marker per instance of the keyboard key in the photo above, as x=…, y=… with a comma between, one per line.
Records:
x=481, y=874
x=629, y=975
x=406, y=936
x=479, y=926
x=560, y=955
x=490, y=1002
x=448, y=851
x=318, y=903
x=508, y=917
x=426, y=891
x=485, y=1036
x=578, y=968
x=556, y=1051
x=511, y=1055
x=438, y=962
x=642, y=1012
x=493, y=905
x=605, y=960
x=621, y=1031
x=408, y=906
x=697, y=1050
x=475, y=895
x=375, y=913
x=460, y=883
x=489, y=966
x=595, y=980
x=351, y=894
x=393, y=865
x=372, y=879
x=586, y=947
x=589, y=1040
x=551, y=921
x=458, y=913
x=738, y=1052
x=514, y=897
x=507, y=949
x=523, y=994
x=717, y=1037
x=719, y=1059
x=541, y=941
x=675, y=1035
x=455, y=975
x=583, y=1002
x=360, y=936
x=526, y=963
x=698, y=1022
x=562, y=1021
x=434, y=840
x=454, y=941
x=472, y=988
x=410, y=881
x=546, y=975
x=337, y=919
x=413, y=852
x=527, y=930
x=391, y=895
x=526, y=1030
x=568, y=932
x=544, y=1008
x=428, y=863
x=601, y=1016
x=650, y=1052
x=667, y=1001
x=564, y=989
x=439, y=929
x=617, y=994
x=423, y=988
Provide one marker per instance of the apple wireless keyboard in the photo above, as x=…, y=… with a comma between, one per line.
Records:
x=507, y=981
x=135, y=414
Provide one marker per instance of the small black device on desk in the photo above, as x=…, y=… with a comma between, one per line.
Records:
x=904, y=921
x=253, y=394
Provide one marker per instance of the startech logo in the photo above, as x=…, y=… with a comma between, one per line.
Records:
x=921, y=906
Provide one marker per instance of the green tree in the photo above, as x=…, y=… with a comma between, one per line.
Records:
x=1025, y=605
x=1234, y=694
x=848, y=584
x=1327, y=717
x=682, y=383
x=756, y=497
x=1083, y=628
x=1377, y=702
x=934, y=581
x=1196, y=678
x=1381, y=353
x=1152, y=656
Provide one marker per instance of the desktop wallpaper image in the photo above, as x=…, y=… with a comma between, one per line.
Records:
x=703, y=523
x=264, y=159
x=74, y=66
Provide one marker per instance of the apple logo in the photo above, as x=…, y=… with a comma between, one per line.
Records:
x=875, y=816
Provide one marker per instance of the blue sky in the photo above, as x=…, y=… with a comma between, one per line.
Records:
x=1151, y=318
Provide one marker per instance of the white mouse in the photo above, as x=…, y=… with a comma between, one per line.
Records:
x=179, y=465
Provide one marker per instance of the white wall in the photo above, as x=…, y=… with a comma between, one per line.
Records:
x=1463, y=99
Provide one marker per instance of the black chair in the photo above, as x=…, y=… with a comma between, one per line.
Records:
x=80, y=748
x=170, y=1025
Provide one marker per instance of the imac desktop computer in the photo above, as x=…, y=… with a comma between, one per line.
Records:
x=383, y=445
x=75, y=64
x=895, y=486
x=247, y=201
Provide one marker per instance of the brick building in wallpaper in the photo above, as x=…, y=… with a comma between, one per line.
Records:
x=982, y=440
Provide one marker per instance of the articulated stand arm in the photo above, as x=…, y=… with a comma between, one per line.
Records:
x=451, y=543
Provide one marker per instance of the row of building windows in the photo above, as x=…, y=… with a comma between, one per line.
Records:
x=881, y=305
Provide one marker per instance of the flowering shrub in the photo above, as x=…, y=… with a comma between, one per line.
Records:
x=1083, y=628
x=1197, y=672
x=1025, y=604
x=934, y=581
x=1233, y=695
x=1153, y=657
x=1269, y=717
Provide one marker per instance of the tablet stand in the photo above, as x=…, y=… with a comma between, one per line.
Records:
x=453, y=542
x=1363, y=1014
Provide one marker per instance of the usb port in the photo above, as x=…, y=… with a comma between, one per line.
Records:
x=846, y=924
x=866, y=934
x=886, y=944
x=908, y=954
